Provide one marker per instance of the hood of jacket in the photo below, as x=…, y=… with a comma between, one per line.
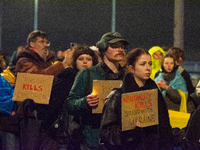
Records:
x=27, y=52
x=156, y=64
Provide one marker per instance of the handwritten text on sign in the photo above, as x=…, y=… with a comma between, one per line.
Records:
x=141, y=106
x=33, y=86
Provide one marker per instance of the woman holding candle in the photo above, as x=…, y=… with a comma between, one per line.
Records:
x=138, y=79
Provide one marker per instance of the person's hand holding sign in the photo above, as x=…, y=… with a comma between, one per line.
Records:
x=138, y=124
x=93, y=100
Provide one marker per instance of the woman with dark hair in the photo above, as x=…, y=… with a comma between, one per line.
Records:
x=82, y=57
x=154, y=137
x=79, y=53
x=172, y=85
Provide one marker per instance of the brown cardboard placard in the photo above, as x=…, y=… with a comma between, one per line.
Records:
x=141, y=106
x=103, y=88
x=33, y=86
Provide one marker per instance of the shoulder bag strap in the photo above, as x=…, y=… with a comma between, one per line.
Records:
x=87, y=88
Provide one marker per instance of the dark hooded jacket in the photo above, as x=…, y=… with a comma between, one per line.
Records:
x=155, y=137
x=60, y=90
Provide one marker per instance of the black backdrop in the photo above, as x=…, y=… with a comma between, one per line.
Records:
x=142, y=23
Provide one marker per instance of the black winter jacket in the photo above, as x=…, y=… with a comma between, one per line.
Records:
x=155, y=137
x=60, y=90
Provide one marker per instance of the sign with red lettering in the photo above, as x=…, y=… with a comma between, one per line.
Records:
x=141, y=106
x=103, y=88
x=33, y=86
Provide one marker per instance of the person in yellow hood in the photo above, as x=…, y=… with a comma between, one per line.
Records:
x=157, y=53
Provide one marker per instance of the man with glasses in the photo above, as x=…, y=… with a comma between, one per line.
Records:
x=112, y=49
x=36, y=58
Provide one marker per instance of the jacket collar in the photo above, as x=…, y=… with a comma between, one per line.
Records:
x=27, y=52
x=110, y=75
x=130, y=85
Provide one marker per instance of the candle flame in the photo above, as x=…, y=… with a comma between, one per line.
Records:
x=94, y=92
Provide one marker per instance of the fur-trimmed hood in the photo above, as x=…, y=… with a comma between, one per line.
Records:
x=27, y=52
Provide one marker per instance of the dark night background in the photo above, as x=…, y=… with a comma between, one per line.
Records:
x=142, y=23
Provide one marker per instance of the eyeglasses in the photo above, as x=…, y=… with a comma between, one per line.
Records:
x=44, y=42
x=115, y=46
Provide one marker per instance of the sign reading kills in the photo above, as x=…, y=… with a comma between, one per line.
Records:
x=33, y=86
x=141, y=106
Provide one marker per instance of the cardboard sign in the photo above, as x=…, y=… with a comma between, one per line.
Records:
x=103, y=88
x=33, y=86
x=141, y=106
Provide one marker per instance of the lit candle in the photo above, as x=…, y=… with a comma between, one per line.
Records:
x=94, y=91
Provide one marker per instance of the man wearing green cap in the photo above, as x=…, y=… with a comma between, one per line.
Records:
x=112, y=49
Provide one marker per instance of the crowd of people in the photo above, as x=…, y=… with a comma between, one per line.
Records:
x=74, y=71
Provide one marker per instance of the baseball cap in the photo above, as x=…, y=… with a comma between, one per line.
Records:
x=113, y=37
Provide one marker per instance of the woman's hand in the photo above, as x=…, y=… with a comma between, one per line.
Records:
x=138, y=124
x=93, y=100
x=162, y=85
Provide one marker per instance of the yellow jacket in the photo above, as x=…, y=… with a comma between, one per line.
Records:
x=7, y=74
x=156, y=64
